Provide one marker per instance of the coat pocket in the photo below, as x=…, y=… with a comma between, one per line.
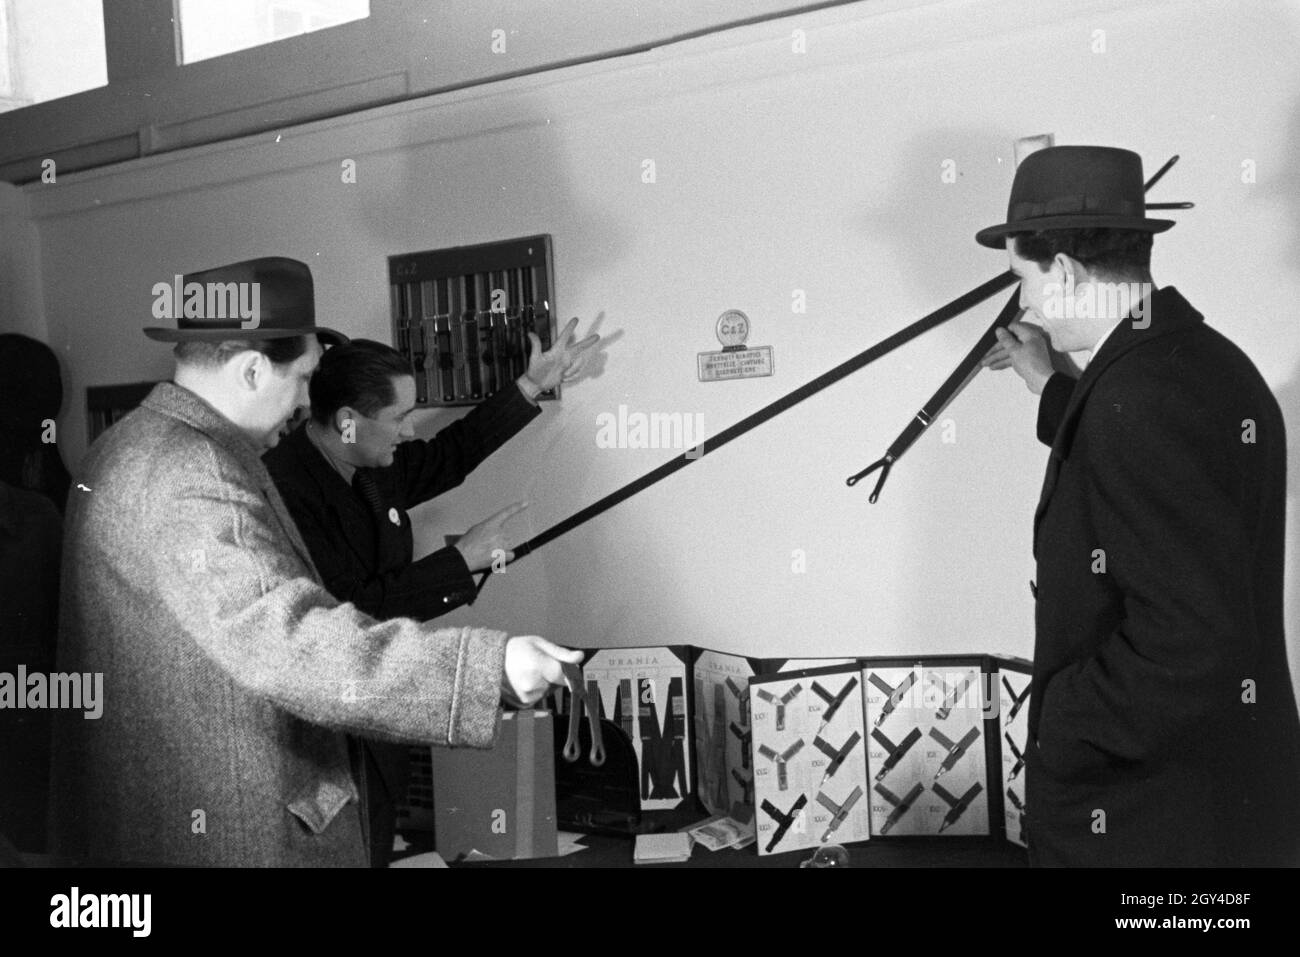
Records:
x=320, y=801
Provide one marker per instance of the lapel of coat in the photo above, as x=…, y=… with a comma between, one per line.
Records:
x=1169, y=312
x=179, y=403
x=296, y=450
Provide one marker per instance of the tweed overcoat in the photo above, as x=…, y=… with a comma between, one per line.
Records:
x=1163, y=727
x=231, y=676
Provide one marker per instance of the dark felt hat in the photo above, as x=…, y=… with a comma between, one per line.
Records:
x=268, y=298
x=1075, y=187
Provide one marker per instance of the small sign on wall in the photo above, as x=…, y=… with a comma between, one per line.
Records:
x=735, y=360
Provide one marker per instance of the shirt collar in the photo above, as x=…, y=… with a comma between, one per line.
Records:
x=1087, y=355
x=178, y=402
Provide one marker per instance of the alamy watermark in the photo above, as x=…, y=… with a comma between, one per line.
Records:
x=1097, y=300
x=654, y=430
x=208, y=301
x=38, y=691
x=75, y=909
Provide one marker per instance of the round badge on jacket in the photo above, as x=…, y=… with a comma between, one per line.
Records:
x=394, y=517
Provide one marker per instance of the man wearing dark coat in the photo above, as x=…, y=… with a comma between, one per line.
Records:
x=1163, y=725
x=349, y=474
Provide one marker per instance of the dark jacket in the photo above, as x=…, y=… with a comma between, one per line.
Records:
x=30, y=534
x=364, y=556
x=1163, y=722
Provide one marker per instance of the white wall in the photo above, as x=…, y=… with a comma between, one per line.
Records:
x=404, y=49
x=21, y=306
x=776, y=171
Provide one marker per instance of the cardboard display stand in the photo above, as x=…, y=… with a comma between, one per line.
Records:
x=498, y=802
x=722, y=734
x=809, y=760
x=929, y=722
x=840, y=752
x=1014, y=675
x=723, y=739
x=646, y=693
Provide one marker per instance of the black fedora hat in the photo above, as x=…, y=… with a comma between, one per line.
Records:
x=1075, y=187
x=267, y=298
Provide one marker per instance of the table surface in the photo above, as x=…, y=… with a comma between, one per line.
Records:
x=607, y=851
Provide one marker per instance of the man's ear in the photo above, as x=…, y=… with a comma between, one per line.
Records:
x=343, y=416
x=1069, y=271
x=250, y=367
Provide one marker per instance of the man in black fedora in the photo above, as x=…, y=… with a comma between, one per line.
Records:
x=231, y=676
x=1163, y=724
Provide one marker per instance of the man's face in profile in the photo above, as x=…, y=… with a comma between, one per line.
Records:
x=283, y=392
x=377, y=436
x=1042, y=298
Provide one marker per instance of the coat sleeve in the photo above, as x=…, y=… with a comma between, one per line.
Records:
x=432, y=586
x=429, y=468
x=1164, y=476
x=1052, y=405
x=254, y=606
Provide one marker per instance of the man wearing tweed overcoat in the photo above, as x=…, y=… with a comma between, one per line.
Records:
x=231, y=676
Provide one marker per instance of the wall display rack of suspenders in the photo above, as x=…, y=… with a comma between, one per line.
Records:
x=462, y=316
x=804, y=751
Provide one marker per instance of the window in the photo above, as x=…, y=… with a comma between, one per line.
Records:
x=49, y=49
x=212, y=28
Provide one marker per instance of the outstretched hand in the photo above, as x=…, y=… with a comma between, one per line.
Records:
x=480, y=545
x=533, y=665
x=563, y=362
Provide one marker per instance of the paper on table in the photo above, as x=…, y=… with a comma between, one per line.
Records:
x=431, y=859
x=662, y=848
x=567, y=842
x=721, y=831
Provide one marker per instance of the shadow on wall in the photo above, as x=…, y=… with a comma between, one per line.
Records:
x=942, y=182
x=526, y=183
x=943, y=186
x=554, y=201
x=1278, y=188
x=1288, y=397
x=411, y=195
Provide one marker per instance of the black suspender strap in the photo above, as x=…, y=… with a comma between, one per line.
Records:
x=783, y=819
x=833, y=701
x=839, y=812
x=948, y=311
x=966, y=370
x=950, y=389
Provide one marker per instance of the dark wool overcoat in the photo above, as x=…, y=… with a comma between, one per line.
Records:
x=1163, y=727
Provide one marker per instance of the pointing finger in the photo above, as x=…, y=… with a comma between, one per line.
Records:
x=506, y=513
